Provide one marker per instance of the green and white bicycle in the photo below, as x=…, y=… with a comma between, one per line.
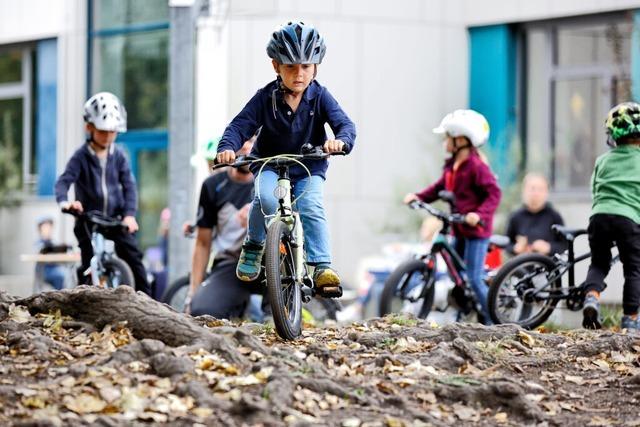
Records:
x=287, y=274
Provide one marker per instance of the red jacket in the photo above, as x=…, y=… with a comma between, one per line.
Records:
x=476, y=190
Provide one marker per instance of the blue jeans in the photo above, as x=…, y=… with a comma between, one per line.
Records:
x=475, y=252
x=310, y=208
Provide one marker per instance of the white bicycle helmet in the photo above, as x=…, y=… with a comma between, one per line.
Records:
x=106, y=112
x=467, y=123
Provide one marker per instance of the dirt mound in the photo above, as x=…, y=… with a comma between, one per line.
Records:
x=92, y=357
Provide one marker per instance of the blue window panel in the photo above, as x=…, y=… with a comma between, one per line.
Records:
x=635, y=57
x=46, y=115
x=141, y=140
x=492, y=92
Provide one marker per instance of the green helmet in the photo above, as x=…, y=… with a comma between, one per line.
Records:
x=209, y=148
x=623, y=121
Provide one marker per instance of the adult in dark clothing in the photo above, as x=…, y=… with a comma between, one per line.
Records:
x=103, y=182
x=529, y=227
x=222, y=224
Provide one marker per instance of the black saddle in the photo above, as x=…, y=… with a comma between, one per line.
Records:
x=569, y=234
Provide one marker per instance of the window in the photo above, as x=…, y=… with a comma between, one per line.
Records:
x=575, y=71
x=17, y=161
x=129, y=52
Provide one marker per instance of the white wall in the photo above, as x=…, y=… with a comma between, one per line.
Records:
x=395, y=71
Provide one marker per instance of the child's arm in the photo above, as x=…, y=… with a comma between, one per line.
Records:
x=430, y=193
x=343, y=128
x=243, y=126
x=68, y=177
x=486, y=180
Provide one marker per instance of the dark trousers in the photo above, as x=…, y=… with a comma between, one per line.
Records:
x=222, y=295
x=605, y=230
x=126, y=249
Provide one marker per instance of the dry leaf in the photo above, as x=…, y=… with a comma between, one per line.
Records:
x=19, y=313
x=202, y=412
x=574, y=379
x=465, y=413
x=526, y=339
x=84, y=403
x=427, y=397
x=351, y=422
x=33, y=402
x=500, y=418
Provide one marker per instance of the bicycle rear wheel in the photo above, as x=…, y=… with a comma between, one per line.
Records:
x=285, y=295
x=410, y=288
x=521, y=291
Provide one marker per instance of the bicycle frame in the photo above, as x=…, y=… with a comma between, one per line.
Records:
x=288, y=216
x=103, y=248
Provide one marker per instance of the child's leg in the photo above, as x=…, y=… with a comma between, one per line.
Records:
x=628, y=242
x=314, y=222
x=475, y=252
x=600, y=242
x=127, y=249
x=81, y=230
x=265, y=201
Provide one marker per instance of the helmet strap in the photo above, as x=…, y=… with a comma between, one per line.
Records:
x=91, y=140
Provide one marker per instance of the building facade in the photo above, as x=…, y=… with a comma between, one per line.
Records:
x=544, y=73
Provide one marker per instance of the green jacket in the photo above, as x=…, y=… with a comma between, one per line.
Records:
x=615, y=183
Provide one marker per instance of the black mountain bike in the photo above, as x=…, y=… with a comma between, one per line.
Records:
x=527, y=288
x=411, y=286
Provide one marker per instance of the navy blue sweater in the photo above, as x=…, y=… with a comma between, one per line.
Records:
x=84, y=171
x=284, y=131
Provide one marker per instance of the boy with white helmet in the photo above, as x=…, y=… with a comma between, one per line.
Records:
x=292, y=110
x=477, y=195
x=103, y=182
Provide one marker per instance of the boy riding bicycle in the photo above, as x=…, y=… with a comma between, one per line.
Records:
x=292, y=111
x=103, y=182
x=477, y=195
x=615, y=216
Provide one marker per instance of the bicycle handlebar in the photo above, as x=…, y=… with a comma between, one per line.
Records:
x=97, y=218
x=279, y=160
x=454, y=218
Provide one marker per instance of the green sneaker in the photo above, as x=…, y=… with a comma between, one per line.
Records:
x=325, y=276
x=250, y=262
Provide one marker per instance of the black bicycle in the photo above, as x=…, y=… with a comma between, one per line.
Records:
x=528, y=287
x=411, y=286
x=105, y=268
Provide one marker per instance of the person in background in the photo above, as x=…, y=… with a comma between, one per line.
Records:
x=52, y=273
x=529, y=227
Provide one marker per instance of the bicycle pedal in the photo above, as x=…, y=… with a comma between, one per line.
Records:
x=329, y=291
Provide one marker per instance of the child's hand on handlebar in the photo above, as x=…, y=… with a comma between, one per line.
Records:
x=227, y=156
x=74, y=206
x=472, y=219
x=131, y=223
x=410, y=198
x=333, y=146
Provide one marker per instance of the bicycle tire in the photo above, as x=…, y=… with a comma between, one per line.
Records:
x=115, y=268
x=286, y=304
x=507, y=271
x=175, y=294
x=401, y=277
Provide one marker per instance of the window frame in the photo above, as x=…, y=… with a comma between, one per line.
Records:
x=554, y=73
x=24, y=90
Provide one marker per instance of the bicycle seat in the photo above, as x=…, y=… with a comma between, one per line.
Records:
x=499, y=240
x=569, y=234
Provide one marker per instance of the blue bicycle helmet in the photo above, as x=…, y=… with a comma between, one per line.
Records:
x=296, y=43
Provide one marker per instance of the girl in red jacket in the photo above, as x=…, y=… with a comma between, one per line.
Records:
x=477, y=195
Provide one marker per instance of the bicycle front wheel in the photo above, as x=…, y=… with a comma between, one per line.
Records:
x=176, y=294
x=410, y=288
x=285, y=295
x=521, y=292
x=116, y=273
